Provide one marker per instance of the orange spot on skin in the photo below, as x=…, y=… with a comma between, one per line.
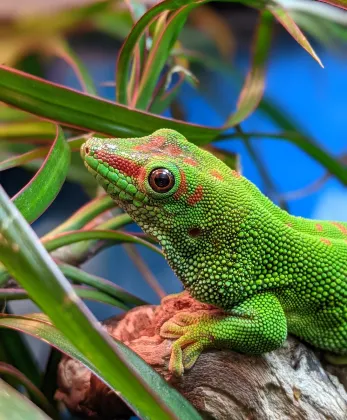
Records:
x=196, y=196
x=173, y=150
x=340, y=226
x=183, y=187
x=154, y=143
x=217, y=174
x=236, y=174
x=126, y=166
x=190, y=161
x=319, y=227
x=326, y=241
x=141, y=180
x=289, y=224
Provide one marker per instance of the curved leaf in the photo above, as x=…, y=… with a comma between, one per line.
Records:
x=37, y=396
x=30, y=264
x=72, y=237
x=284, y=18
x=39, y=326
x=338, y=3
x=254, y=86
x=75, y=109
x=37, y=153
x=27, y=129
x=14, y=406
x=79, y=276
x=81, y=291
x=38, y=194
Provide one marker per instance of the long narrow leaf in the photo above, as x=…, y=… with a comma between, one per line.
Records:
x=75, y=109
x=81, y=291
x=31, y=265
x=254, y=86
x=38, y=194
x=40, y=327
x=72, y=237
x=79, y=276
x=158, y=55
x=36, y=395
x=14, y=406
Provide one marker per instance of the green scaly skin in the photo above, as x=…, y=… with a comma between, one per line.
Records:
x=230, y=246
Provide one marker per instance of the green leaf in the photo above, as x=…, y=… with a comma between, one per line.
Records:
x=39, y=326
x=158, y=55
x=253, y=89
x=37, y=153
x=20, y=355
x=81, y=291
x=72, y=237
x=27, y=129
x=79, y=276
x=338, y=3
x=84, y=215
x=62, y=49
x=14, y=406
x=30, y=264
x=284, y=18
x=36, y=395
x=76, y=109
x=38, y=194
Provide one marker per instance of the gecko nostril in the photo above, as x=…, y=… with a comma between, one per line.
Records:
x=87, y=150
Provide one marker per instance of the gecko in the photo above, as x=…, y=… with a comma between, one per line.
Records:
x=270, y=272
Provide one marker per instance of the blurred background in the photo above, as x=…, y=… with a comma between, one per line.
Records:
x=312, y=98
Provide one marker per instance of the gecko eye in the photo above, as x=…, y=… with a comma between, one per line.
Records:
x=161, y=180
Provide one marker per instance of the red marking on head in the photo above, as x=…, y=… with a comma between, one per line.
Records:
x=340, y=226
x=289, y=224
x=141, y=180
x=190, y=161
x=154, y=143
x=196, y=196
x=217, y=174
x=126, y=166
x=183, y=187
x=235, y=173
x=326, y=241
x=319, y=227
x=173, y=150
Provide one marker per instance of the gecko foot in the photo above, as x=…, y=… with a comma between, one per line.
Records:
x=193, y=334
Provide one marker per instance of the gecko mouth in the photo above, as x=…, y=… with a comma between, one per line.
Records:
x=114, y=182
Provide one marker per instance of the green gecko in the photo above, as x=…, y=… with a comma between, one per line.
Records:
x=231, y=247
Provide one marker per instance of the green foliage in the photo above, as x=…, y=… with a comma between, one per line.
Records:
x=42, y=128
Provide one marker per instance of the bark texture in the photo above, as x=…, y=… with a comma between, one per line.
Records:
x=289, y=383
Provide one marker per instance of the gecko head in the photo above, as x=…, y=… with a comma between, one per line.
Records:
x=170, y=187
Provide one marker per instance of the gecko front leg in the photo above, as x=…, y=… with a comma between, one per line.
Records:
x=258, y=325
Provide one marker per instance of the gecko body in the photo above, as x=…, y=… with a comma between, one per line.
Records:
x=272, y=273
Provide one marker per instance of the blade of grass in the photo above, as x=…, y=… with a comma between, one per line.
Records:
x=38, y=194
x=31, y=265
x=27, y=129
